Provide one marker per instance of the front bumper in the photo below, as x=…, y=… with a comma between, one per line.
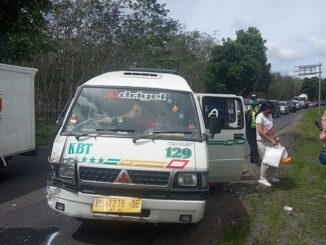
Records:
x=283, y=111
x=78, y=205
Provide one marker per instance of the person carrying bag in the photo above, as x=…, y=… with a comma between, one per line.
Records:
x=265, y=137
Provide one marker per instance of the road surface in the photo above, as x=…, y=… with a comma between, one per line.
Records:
x=25, y=217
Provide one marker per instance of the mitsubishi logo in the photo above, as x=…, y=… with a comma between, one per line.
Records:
x=123, y=177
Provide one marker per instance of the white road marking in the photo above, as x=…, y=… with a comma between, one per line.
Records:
x=51, y=238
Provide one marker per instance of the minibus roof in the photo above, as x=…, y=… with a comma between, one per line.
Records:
x=145, y=79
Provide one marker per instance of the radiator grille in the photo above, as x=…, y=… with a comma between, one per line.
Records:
x=137, y=177
x=98, y=174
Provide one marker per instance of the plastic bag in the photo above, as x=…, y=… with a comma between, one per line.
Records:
x=285, y=154
x=272, y=156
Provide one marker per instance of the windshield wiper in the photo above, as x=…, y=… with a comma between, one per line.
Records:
x=100, y=131
x=156, y=134
x=172, y=132
x=115, y=130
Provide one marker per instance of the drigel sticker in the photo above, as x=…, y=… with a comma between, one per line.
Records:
x=142, y=96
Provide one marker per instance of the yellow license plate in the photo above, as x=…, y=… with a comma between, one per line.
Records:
x=116, y=205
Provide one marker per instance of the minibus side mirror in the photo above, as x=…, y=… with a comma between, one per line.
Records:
x=59, y=122
x=215, y=125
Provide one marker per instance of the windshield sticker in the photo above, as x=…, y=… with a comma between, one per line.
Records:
x=112, y=95
x=142, y=96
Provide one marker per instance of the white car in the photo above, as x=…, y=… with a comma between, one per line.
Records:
x=284, y=108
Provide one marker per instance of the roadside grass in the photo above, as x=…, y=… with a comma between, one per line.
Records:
x=302, y=187
x=45, y=132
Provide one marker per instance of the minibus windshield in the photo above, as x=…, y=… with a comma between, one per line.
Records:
x=132, y=112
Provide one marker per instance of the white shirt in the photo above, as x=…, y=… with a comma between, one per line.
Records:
x=267, y=123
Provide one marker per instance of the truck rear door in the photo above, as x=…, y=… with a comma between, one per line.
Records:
x=227, y=149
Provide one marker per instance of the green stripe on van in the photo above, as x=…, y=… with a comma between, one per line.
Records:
x=217, y=142
x=112, y=161
x=227, y=142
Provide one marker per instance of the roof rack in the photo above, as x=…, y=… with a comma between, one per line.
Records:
x=169, y=71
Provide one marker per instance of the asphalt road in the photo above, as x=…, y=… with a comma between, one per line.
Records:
x=25, y=217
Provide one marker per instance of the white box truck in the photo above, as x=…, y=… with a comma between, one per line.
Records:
x=141, y=146
x=17, y=111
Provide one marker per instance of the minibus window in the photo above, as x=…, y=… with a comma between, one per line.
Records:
x=230, y=110
x=133, y=111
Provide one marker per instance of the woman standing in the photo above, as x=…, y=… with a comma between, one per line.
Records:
x=265, y=136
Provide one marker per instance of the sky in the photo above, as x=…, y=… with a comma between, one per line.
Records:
x=295, y=30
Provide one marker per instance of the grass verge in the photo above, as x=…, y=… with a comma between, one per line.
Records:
x=303, y=187
x=45, y=132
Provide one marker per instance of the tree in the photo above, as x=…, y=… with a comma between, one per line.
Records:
x=239, y=66
x=310, y=86
x=284, y=87
x=23, y=29
x=96, y=36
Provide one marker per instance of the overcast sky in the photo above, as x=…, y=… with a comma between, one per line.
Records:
x=295, y=30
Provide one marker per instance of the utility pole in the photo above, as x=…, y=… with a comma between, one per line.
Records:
x=310, y=70
x=319, y=93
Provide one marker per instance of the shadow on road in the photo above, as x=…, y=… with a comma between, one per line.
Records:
x=224, y=210
x=25, y=235
x=25, y=174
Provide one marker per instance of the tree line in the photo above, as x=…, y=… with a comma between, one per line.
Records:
x=73, y=41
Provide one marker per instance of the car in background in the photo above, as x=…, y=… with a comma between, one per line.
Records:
x=284, y=108
x=292, y=106
x=312, y=104
x=302, y=99
x=297, y=104
x=276, y=108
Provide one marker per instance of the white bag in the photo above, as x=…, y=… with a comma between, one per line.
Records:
x=285, y=153
x=272, y=156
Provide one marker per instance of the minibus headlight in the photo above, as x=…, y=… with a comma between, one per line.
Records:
x=66, y=171
x=187, y=179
